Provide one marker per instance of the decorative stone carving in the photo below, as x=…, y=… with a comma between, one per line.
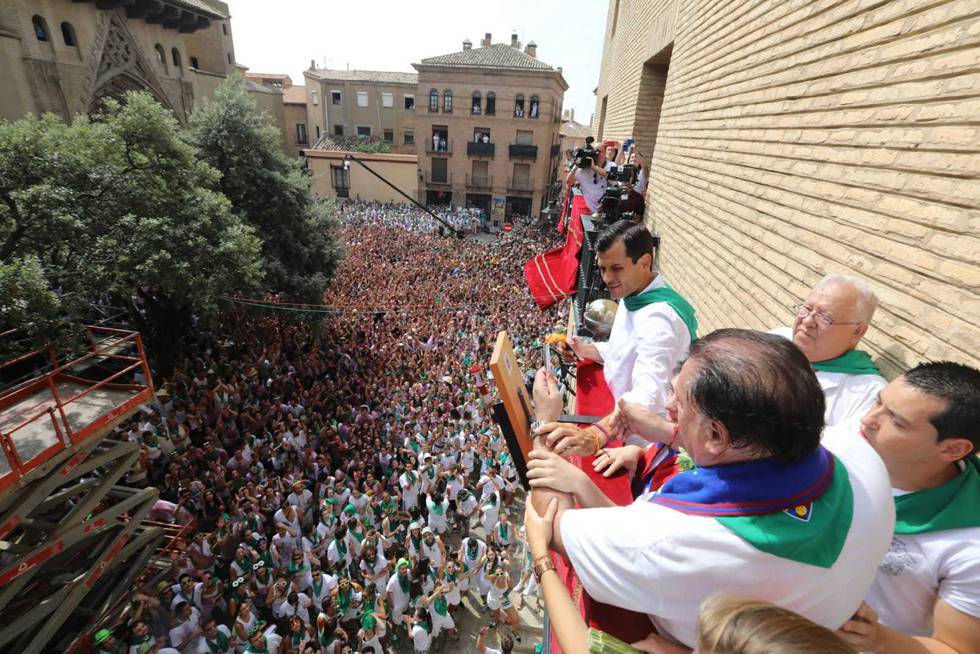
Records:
x=121, y=66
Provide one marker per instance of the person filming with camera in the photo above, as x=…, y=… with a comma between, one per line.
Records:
x=589, y=172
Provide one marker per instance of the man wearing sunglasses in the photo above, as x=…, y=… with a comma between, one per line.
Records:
x=829, y=325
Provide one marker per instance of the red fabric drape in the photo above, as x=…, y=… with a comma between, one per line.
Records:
x=553, y=276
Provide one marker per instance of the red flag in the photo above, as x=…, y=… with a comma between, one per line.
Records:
x=553, y=275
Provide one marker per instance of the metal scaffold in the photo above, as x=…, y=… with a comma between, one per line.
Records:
x=72, y=539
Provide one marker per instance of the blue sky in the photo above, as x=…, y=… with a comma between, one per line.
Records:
x=281, y=36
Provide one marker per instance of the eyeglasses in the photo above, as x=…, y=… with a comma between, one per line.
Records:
x=822, y=317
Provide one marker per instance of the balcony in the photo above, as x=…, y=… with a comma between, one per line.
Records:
x=430, y=180
x=480, y=149
x=444, y=149
x=524, y=184
x=518, y=151
x=479, y=181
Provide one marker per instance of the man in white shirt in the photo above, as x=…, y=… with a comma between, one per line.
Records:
x=651, y=334
x=768, y=512
x=926, y=428
x=591, y=181
x=829, y=325
x=186, y=630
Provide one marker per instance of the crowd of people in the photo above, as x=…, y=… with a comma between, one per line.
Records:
x=409, y=217
x=345, y=483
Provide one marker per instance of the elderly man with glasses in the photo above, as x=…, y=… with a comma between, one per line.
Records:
x=829, y=325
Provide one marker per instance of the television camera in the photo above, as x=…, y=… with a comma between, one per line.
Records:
x=586, y=155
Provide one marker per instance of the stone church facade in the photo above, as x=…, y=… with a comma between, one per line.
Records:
x=65, y=56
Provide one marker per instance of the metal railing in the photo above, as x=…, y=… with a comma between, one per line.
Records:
x=520, y=184
x=478, y=149
x=522, y=151
x=443, y=149
x=429, y=179
x=107, y=349
x=479, y=181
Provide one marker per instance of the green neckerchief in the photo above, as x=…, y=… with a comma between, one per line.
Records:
x=317, y=586
x=218, y=645
x=810, y=533
x=327, y=638
x=416, y=543
x=852, y=362
x=343, y=600
x=440, y=605
x=414, y=444
x=439, y=508
x=341, y=547
x=296, y=638
x=666, y=294
x=503, y=531
x=954, y=504
x=404, y=583
x=388, y=506
x=411, y=478
x=252, y=649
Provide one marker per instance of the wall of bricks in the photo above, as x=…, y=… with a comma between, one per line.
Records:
x=801, y=137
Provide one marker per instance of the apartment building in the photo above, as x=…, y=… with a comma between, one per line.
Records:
x=291, y=118
x=486, y=127
x=371, y=104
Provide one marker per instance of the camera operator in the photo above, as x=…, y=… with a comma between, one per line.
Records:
x=590, y=173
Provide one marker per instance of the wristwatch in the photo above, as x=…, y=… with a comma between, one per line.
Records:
x=542, y=566
x=534, y=426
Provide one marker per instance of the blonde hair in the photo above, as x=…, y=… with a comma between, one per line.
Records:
x=734, y=625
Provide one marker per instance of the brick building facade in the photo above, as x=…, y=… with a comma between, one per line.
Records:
x=793, y=139
x=486, y=127
x=63, y=56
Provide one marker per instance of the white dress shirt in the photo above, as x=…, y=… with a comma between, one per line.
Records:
x=643, y=349
x=848, y=397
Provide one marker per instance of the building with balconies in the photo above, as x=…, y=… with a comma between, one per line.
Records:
x=371, y=104
x=487, y=127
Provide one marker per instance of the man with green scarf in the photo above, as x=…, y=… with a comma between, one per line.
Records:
x=651, y=334
x=925, y=426
x=829, y=325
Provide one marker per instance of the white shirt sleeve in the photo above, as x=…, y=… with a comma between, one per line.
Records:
x=658, y=341
x=959, y=582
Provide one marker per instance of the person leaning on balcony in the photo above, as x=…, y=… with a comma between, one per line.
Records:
x=651, y=334
x=767, y=511
x=829, y=325
x=591, y=181
x=925, y=426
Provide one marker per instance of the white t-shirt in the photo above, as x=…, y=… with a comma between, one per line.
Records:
x=848, y=397
x=593, y=186
x=650, y=558
x=400, y=598
x=643, y=349
x=921, y=568
x=421, y=639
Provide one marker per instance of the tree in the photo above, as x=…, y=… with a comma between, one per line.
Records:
x=117, y=208
x=269, y=192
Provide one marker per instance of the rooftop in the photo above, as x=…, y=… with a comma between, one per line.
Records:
x=383, y=76
x=571, y=129
x=499, y=56
x=214, y=9
x=294, y=95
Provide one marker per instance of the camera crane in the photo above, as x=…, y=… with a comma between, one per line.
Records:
x=350, y=157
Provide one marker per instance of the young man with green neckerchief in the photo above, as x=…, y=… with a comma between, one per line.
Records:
x=925, y=425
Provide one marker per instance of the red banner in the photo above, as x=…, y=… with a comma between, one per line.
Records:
x=553, y=276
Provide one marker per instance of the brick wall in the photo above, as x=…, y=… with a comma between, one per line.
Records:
x=798, y=138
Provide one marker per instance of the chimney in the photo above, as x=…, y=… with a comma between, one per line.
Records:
x=467, y=44
x=312, y=64
x=513, y=40
x=564, y=115
x=486, y=40
x=532, y=49
x=571, y=114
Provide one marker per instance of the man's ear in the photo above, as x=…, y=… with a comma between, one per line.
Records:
x=719, y=440
x=954, y=449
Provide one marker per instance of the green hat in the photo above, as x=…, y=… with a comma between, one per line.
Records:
x=350, y=508
x=403, y=562
x=102, y=635
x=331, y=500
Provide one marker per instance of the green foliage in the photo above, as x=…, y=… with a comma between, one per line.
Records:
x=269, y=192
x=371, y=146
x=28, y=305
x=113, y=205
